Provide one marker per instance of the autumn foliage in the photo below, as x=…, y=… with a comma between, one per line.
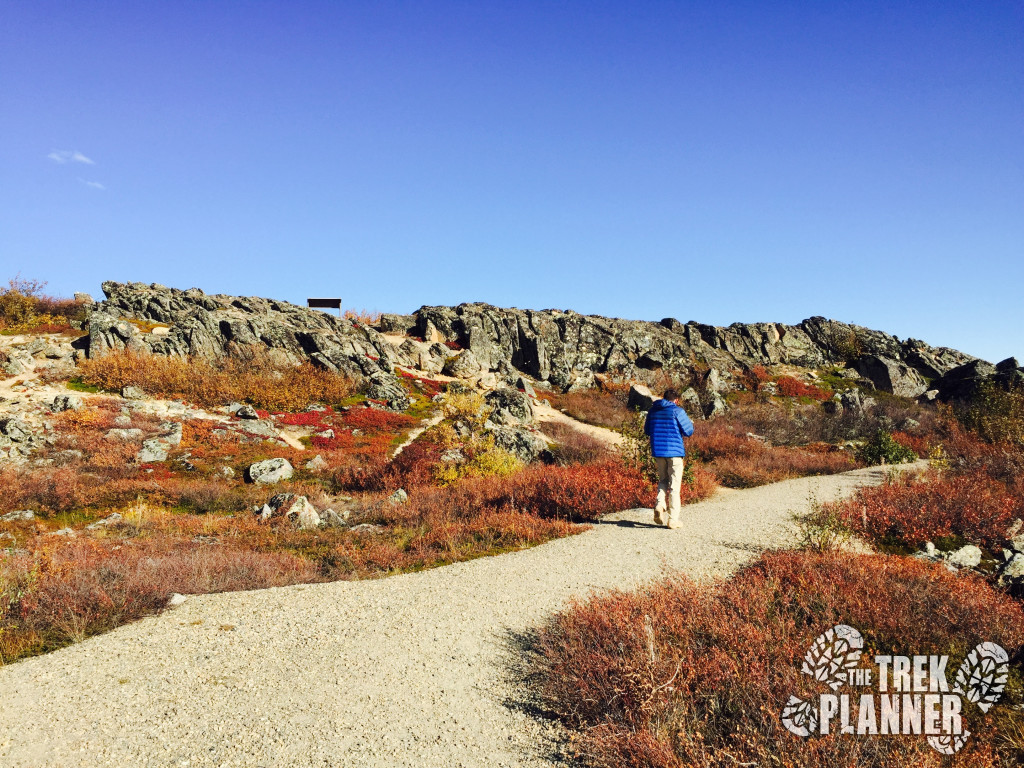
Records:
x=683, y=675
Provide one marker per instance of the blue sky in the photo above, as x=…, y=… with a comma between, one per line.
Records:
x=721, y=162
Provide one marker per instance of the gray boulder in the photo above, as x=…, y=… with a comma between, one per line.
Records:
x=246, y=412
x=640, y=398
x=387, y=388
x=891, y=375
x=270, y=471
x=968, y=556
x=521, y=443
x=18, y=516
x=153, y=450
x=510, y=407
x=16, y=430
x=66, y=403
x=133, y=393
x=463, y=365
x=125, y=435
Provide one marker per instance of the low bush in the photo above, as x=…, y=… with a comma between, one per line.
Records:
x=791, y=387
x=256, y=380
x=25, y=308
x=884, y=449
x=603, y=407
x=574, y=446
x=680, y=674
x=70, y=590
x=909, y=512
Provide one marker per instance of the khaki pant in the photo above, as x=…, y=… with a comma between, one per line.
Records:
x=670, y=480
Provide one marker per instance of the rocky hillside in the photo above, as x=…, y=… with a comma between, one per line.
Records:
x=563, y=349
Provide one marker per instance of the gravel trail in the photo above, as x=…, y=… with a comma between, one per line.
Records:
x=409, y=670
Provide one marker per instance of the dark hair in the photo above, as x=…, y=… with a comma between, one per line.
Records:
x=671, y=394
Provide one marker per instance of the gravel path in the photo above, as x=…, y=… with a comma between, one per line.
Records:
x=405, y=671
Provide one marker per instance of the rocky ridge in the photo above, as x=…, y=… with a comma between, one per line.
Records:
x=564, y=349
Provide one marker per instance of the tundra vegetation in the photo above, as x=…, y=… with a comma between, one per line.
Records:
x=682, y=674
x=130, y=476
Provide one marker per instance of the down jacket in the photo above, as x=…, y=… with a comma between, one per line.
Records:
x=667, y=424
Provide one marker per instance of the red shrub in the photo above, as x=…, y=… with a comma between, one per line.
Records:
x=680, y=674
x=306, y=419
x=790, y=387
x=579, y=492
x=973, y=507
x=376, y=420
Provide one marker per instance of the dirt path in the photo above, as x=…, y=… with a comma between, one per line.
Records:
x=404, y=671
x=546, y=415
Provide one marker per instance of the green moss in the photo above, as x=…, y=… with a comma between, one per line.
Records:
x=79, y=386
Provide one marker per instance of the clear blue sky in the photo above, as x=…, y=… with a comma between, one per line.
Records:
x=714, y=161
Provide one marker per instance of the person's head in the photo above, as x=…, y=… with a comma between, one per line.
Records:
x=671, y=395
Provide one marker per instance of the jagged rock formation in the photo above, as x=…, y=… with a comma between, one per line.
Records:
x=565, y=349
x=192, y=323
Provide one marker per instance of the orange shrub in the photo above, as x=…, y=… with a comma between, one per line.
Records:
x=790, y=387
x=256, y=380
x=972, y=506
x=683, y=675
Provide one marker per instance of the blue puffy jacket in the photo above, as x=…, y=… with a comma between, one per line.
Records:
x=667, y=424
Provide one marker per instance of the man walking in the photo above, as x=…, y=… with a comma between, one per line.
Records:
x=667, y=424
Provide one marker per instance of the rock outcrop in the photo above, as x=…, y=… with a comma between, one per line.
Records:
x=562, y=348
x=168, y=321
x=567, y=348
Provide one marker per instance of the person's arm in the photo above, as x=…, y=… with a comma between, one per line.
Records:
x=685, y=425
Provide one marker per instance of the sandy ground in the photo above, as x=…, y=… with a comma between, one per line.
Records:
x=411, y=670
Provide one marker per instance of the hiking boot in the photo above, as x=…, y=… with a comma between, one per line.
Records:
x=658, y=519
x=674, y=524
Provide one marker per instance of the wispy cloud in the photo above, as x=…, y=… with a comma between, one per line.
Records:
x=93, y=184
x=69, y=156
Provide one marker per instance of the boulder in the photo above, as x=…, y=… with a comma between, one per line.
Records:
x=246, y=412
x=316, y=464
x=388, y=389
x=153, y=450
x=521, y=443
x=114, y=519
x=133, y=393
x=66, y=403
x=270, y=471
x=968, y=556
x=16, y=430
x=715, y=405
x=510, y=407
x=463, y=365
x=891, y=375
x=640, y=398
x=304, y=514
x=18, y=516
x=689, y=400
x=524, y=386
x=963, y=382
x=399, y=497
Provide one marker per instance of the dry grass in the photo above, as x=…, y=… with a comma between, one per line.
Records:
x=255, y=380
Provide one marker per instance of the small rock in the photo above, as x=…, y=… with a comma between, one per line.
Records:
x=66, y=403
x=304, y=514
x=399, y=497
x=270, y=471
x=106, y=522
x=316, y=464
x=246, y=412
x=21, y=514
x=333, y=519
x=1014, y=569
x=16, y=429
x=69, y=532
x=127, y=435
x=366, y=528
x=327, y=434
x=226, y=472
x=175, y=600
x=153, y=450
x=123, y=420
x=968, y=556
x=133, y=393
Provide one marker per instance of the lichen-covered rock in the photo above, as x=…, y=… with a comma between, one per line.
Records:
x=510, y=407
x=66, y=403
x=270, y=471
x=521, y=443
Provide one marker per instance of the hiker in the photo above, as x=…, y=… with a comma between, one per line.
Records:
x=667, y=424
